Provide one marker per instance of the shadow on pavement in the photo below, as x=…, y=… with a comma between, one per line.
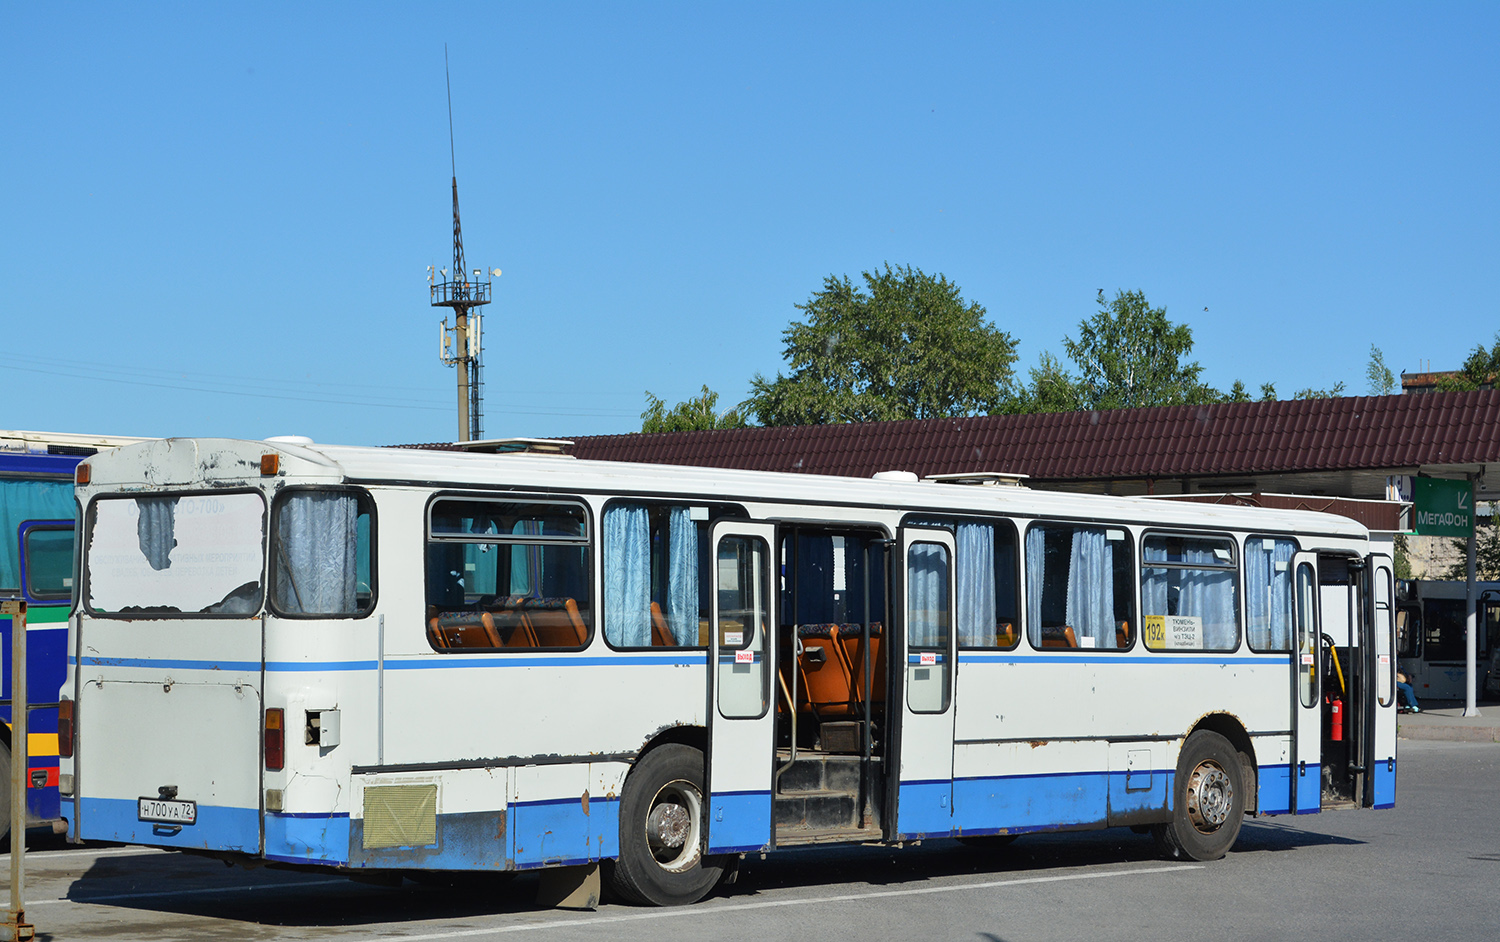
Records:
x=195, y=886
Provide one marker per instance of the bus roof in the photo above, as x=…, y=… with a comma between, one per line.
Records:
x=222, y=462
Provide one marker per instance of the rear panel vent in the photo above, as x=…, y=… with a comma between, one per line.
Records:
x=400, y=816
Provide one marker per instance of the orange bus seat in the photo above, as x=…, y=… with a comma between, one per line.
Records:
x=1122, y=635
x=554, y=623
x=1005, y=635
x=1059, y=637
x=826, y=685
x=852, y=640
x=661, y=634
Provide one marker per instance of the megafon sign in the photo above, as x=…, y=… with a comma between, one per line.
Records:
x=1444, y=508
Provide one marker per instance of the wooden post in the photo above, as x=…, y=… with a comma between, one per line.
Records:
x=16, y=928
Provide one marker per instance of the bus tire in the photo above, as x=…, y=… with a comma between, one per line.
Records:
x=662, y=811
x=1208, y=803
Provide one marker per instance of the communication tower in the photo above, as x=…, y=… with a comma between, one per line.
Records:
x=462, y=345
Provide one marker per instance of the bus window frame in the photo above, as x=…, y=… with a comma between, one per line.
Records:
x=90, y=517
x=1236, y=566
x=29, y=527
x=1132, y=541
x=718, y=511
x=587, y=541
x=949, y=523
x=271, y=527
x=1245, y=594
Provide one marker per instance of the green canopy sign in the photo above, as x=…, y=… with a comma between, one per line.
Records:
x=1444, y=508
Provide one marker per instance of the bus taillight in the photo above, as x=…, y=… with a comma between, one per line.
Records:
x=65, y=729
x=275, y=739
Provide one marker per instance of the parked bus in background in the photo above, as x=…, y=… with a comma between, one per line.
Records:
x=37, y=513
x=363, y=658
x=1432, y=622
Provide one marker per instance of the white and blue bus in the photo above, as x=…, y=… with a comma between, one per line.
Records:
x=364, y=658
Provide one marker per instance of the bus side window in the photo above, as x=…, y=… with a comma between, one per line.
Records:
x=321, y=553
x=1079, y=587
x=656, y=569
x=504, y=574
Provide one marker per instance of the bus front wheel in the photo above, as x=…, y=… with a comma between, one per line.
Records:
x=662, y=811
x=1208, y=803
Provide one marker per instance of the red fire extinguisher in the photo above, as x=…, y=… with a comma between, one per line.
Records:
x=1335, y=719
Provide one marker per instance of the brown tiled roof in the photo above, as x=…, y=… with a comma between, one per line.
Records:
x=1358, y=432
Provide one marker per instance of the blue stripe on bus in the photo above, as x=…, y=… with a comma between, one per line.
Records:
x=1273, y=789
x=307, y=838
x=436, y=662
x=1278, y=660
x=1310, y=789
x=1385, y=784
x=739, y=822
x=218, y=827
x=559, y=832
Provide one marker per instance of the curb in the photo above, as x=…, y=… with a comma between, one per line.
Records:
x=1448, y=733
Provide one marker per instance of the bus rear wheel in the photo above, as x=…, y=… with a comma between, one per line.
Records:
x=662, y=812
x=1208, y=803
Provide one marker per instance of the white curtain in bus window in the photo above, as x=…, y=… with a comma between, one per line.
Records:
x=682, y=576
x=1188, y=594
x=315, y=553
x=654, y=574
x=927, y=610
x=1073, y=587
x=1268, y=593
x=627, y=576
x=974, y=583
x=168, y=555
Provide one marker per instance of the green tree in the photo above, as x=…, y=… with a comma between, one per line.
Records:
x=1051, y=389
x=1486, y=549
x=1478, y=371
x=1382, y=380
x=905, y=346
x=1334, y=392
x=689, y=416
x=1129, y=355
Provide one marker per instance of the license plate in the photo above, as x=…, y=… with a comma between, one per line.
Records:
x=167, y=811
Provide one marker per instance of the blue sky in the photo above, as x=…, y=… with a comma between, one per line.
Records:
x=217, y=218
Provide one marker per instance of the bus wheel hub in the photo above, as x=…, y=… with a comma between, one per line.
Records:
x=668, y=825
x=1209, y=797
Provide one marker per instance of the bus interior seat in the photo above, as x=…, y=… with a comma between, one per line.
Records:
x=474, y=630
x=554, y=622
x=661, y=635
x=1005, y=635
x=1059, y=637
x=851, y=640
x=827, y=688
x=1122, y=635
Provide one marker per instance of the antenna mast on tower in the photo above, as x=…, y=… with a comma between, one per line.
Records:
x=462, y=344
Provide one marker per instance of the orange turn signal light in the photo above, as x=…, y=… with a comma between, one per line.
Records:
x=270, y=464
x=82, y=473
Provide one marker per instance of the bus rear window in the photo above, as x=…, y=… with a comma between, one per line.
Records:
x=172, y=555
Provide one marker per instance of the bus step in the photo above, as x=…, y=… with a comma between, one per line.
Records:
x=816, y=773
x=815, y=811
